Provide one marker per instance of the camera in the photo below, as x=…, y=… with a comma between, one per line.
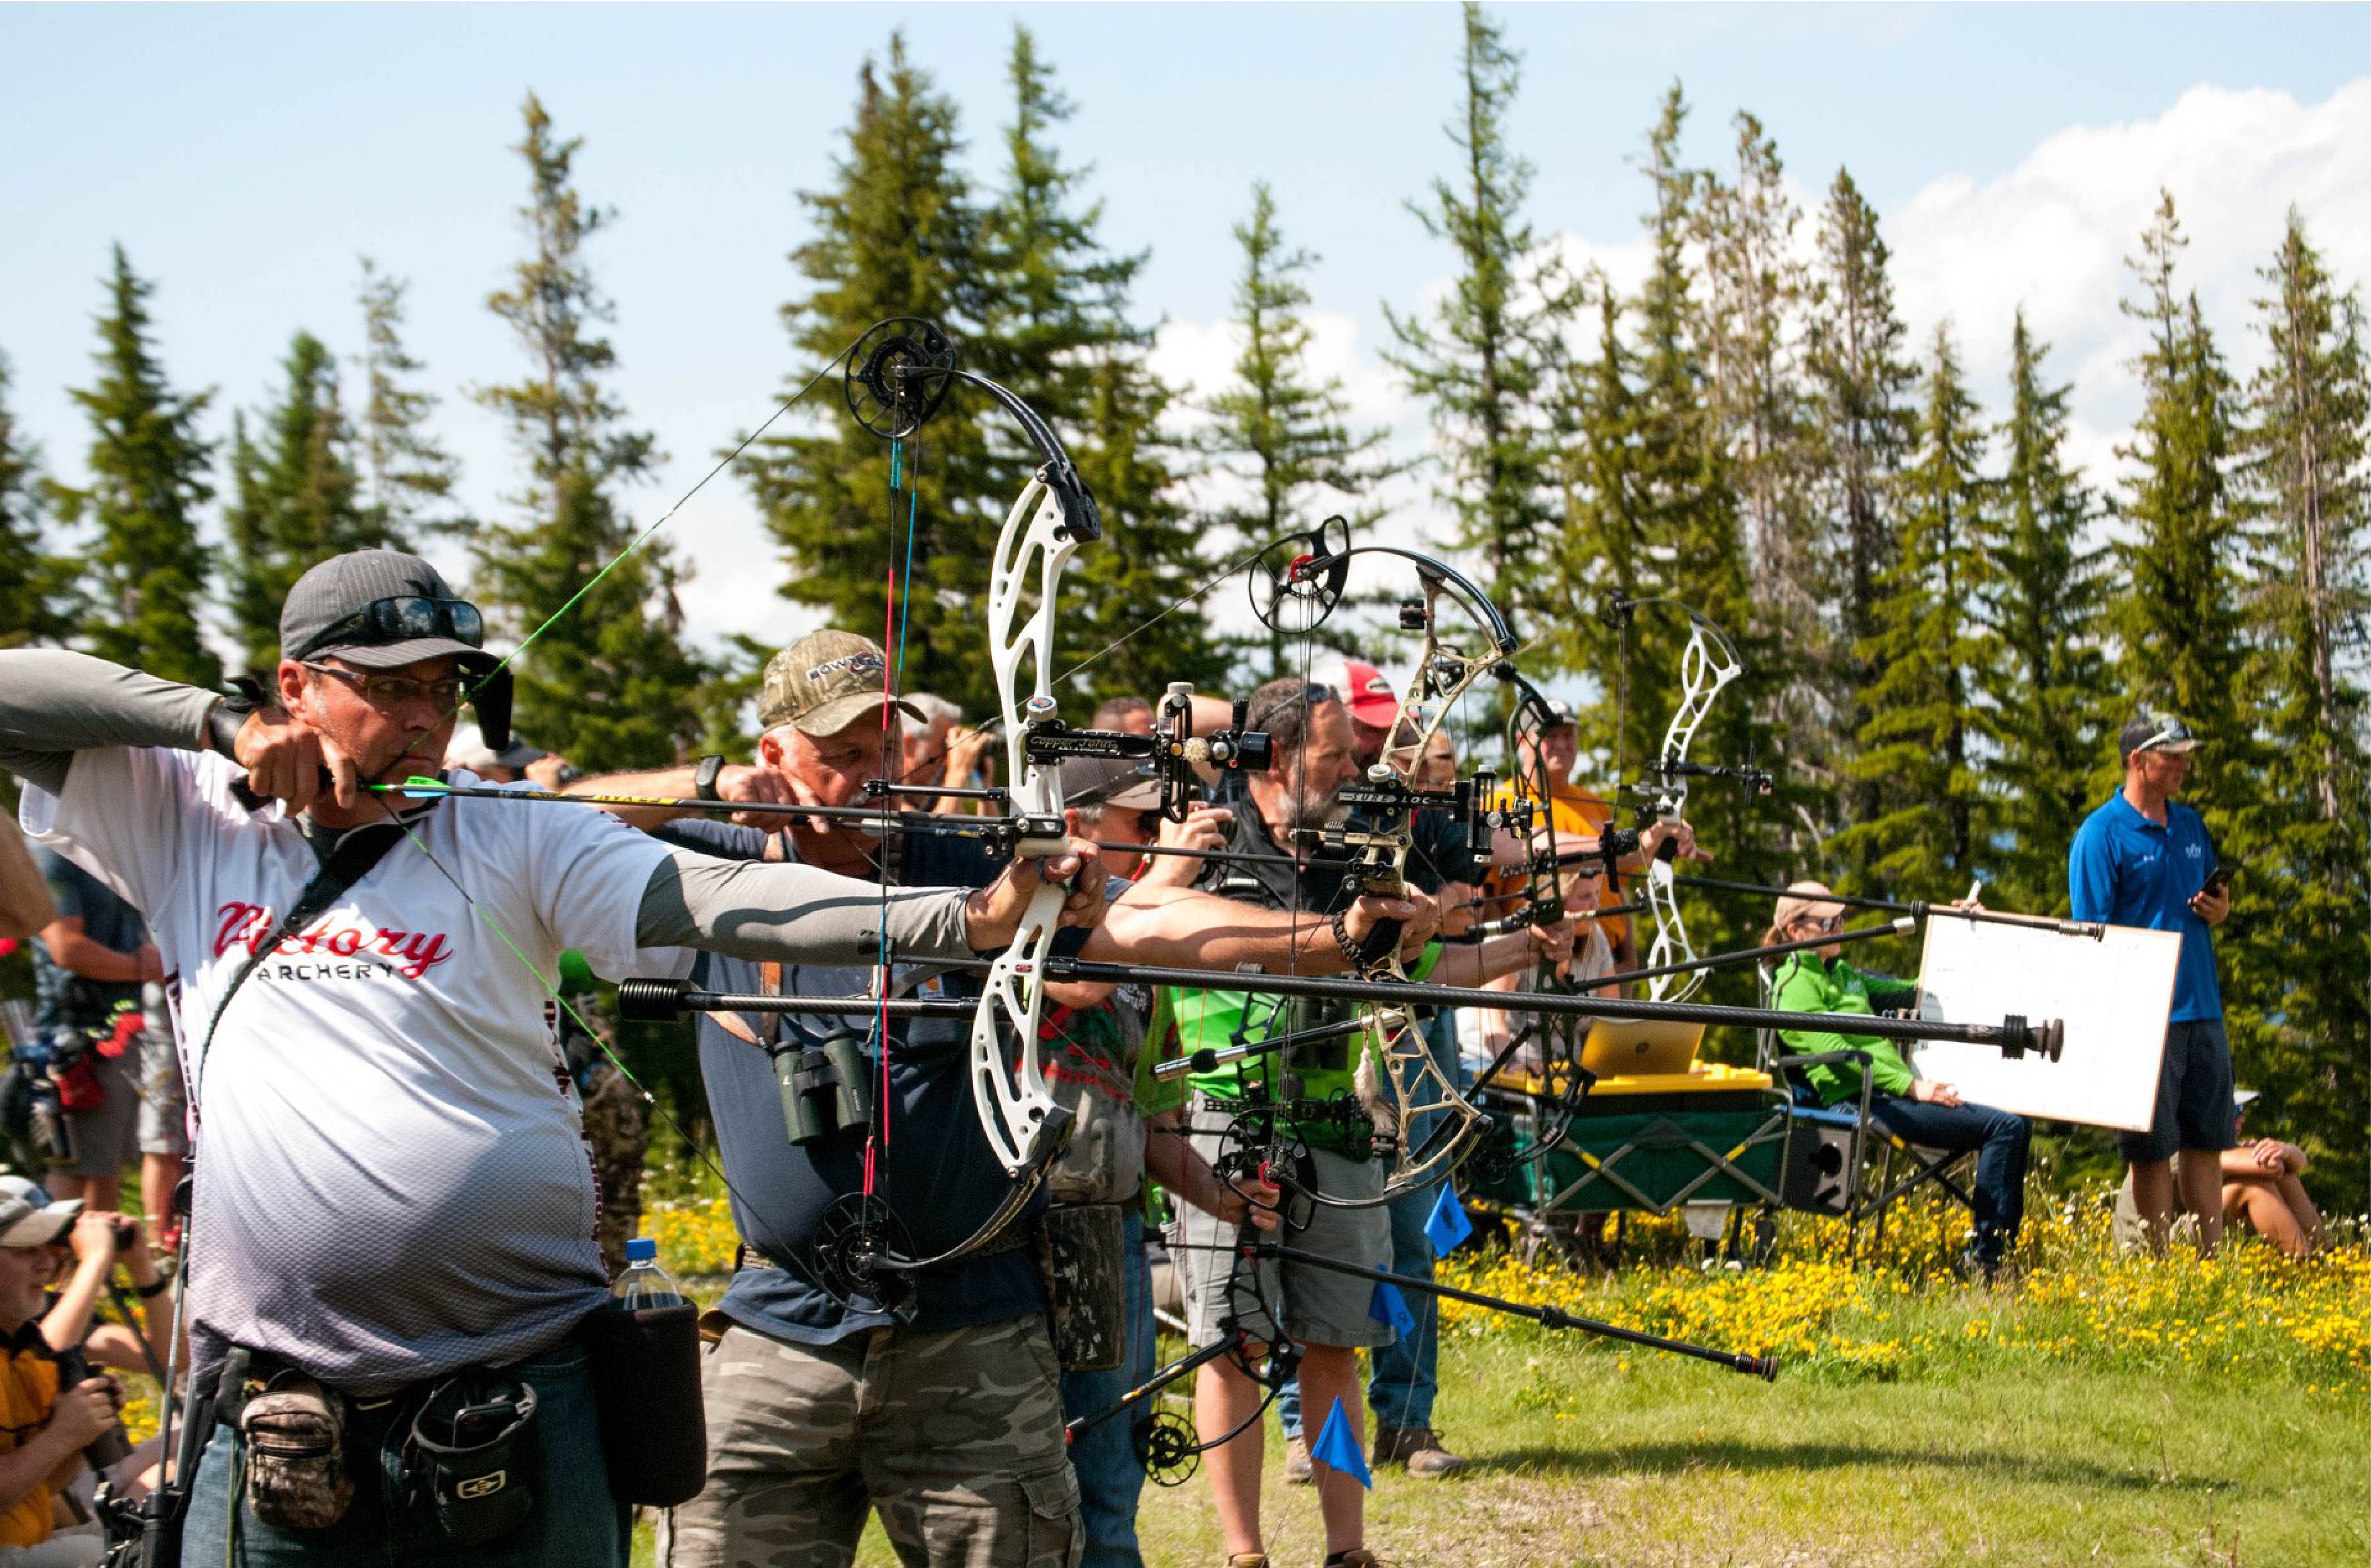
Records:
x=127, y=1231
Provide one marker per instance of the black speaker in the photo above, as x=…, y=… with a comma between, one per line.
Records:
x=1815, y=1175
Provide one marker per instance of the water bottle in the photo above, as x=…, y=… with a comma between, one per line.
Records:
x=644, y=1284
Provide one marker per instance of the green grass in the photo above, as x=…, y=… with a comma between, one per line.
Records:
x=1579, y=1457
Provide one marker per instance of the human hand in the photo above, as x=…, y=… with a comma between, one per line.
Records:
x=1928, y=1092
x=756, y=785
x=1204, y=831
x=2211, y=905
x=93, y=1237
x=1460, y=910
x=151, y=963
x=993, y=915
x=550, y=771
x=1253, y=1198
x=966, y=755
x=2269, y=1154
x=1373, y=909
x=1681, y=835
x=285, y=757
x=1553, y=943
x=81, y=1413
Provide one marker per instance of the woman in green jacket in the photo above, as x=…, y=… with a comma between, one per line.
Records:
x=1920, y=1111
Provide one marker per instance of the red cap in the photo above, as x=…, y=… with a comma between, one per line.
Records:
x=1366, y=692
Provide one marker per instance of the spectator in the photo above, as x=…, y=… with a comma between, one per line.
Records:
x=25, y=905
x=936, y=748
x=1919, y=1110
x=2141, y=860
x=43, y=1428
x=515, y=763
x=1436, y=769
x=1366, y=694
x=87, y=969
x=2259, y=1186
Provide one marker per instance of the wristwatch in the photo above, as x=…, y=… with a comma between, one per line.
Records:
x=703, y=777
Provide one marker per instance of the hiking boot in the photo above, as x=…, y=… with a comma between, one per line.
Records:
x=1298, y=1469
x=1417, y=1448
x=1248, y=1560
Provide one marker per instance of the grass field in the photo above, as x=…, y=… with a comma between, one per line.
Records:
x=2097, y=1408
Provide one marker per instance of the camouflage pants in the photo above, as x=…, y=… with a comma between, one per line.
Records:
x=955, y=1437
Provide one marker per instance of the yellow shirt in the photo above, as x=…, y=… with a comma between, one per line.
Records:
x=1576, y=816
x=29, y=1391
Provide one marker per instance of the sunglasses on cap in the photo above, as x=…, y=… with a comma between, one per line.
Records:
x=404, y=619
x=2172, y=733
x=1311, y=694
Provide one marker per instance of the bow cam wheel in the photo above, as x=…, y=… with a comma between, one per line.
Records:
x=854, y=1247
x=898, y=375
x=1296, y=582
x=1164, y=1447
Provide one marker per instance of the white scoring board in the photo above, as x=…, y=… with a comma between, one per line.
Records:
x=2114, y=994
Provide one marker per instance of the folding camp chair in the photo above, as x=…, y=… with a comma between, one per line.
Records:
x=1830, y=1148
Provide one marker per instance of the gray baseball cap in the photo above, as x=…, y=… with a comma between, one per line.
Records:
x=1110, y=781
x=380, y=610
x=30, y=1216
x=2156, y=732
x=825, y=681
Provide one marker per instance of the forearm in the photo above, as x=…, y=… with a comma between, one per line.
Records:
x=762, y=910
x=54, y=703
x=1484, y=963
x=1172, y=1160
x=27, y=1466
x=74, y=952
x=68, y=1321
x=25, y=904
x=1184, y=928
x=662, y=783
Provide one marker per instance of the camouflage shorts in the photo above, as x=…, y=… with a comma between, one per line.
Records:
x=955, y=1437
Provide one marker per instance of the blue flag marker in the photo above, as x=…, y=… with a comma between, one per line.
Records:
x=1337, y=1448
x=1448, y=1226
x=1389, y=1306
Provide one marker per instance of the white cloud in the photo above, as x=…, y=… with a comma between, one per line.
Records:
x=2053, y=232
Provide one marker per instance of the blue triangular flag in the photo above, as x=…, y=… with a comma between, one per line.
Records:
x=1389, y=1306
x=1448, y=1226
x=1340, y=1449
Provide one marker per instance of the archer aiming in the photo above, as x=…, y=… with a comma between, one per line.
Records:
x=889, y=1269
x=392, y=1200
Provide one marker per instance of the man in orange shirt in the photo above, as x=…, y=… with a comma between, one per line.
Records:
x=43, y=1429
x=1576, y=816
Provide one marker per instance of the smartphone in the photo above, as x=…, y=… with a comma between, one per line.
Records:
x=2219, y=884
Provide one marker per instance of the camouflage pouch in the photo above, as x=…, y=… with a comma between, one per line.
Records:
x=1084, y=1258
x=294, y=1435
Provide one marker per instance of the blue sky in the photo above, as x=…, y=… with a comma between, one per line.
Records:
x=246, y=155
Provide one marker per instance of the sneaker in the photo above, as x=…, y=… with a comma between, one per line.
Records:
x=1298, y=1471
x=1417, y=1448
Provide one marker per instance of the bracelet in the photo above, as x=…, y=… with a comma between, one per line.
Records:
x=1340, y=925
x=150, y=1292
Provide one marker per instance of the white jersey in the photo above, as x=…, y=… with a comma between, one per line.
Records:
x=392, y=1179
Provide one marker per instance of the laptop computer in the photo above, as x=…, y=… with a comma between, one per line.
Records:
x=1640, y=1047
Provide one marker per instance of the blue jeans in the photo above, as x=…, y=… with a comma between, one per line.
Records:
x=1404, y=1375
x=1104, y=1457
x=2000, y=1139
x=576, y=1520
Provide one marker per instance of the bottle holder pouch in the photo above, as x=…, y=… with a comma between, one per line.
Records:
x=646, y=1385
x=1085, y=1263
x=293, y=1433
x=473, y=1463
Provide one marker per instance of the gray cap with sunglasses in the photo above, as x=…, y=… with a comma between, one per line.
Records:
x=380, y=610
x=2152, y=732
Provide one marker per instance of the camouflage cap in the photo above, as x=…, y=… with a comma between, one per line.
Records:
x=825, y=681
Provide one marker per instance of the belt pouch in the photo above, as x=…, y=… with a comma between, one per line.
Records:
x=294, y=1435
x=1085, y=1261
x=646, y=1382
x=474, y=1463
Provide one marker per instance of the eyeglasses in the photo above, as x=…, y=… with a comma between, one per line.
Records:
x=1827, y=927
x=388, y=693
x=404, y=619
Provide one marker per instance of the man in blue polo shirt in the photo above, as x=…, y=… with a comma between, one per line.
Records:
x=2142, y=860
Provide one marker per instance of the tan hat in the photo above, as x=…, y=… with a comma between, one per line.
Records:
x=1803, y=900
x=825, y=681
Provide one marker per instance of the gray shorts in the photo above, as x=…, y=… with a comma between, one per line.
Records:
x=1319, y=1306
x=164, y=1116
x=2193, y=1096
x=107, y=1139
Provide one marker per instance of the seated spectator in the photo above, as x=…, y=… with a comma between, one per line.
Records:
x=1919, y=1110
x=43, y=1428
x=2259, y=1186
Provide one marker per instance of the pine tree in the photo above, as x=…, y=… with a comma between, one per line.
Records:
x=2305, y=476
x=606, y=680
x=1484, y=361
x=409, y=476
x=1277, y=430
x=2045, y=713
x=1056, y=332
x=34, y=583
x=1862, y=387
x=146, y=568
x=1929, y=836
x=2178, y=618
x=296, y=502
x=898, y=235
